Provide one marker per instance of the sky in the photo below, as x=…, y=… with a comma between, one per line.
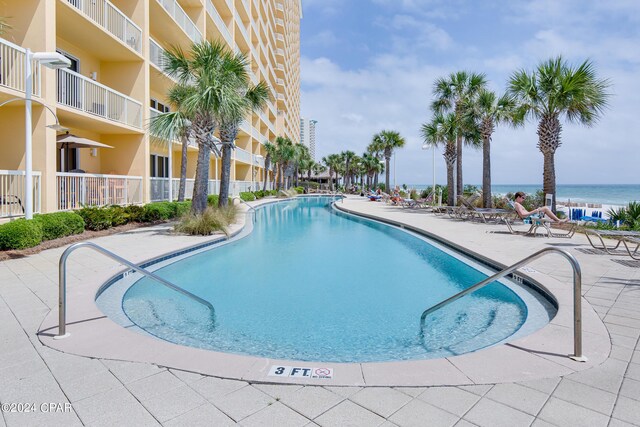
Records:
x=369, y=65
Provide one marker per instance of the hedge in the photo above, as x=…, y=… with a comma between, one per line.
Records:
x=247, y=196
x=96, y=219
x=59, y=224
x=20, y=234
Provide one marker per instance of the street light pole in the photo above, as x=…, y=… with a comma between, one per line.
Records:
x=52, y=60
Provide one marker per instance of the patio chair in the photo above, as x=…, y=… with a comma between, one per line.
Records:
x=483, y=213
x=536, y=223
x=10, y=200
x=627, y=238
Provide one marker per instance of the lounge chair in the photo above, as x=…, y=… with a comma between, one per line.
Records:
x=483, y=213
x=536, y=223
x=627, y=238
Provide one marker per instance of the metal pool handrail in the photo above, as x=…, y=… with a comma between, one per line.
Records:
x=577, y=295
x=251, y=208
x=62, y=282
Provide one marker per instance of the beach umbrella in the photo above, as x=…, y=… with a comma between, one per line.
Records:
x=69, y=140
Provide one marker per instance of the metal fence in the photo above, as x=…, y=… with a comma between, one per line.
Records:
x=13, y=192
x=76, y=190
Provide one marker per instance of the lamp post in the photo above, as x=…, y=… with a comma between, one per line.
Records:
x=52, y=60
x=433, y=152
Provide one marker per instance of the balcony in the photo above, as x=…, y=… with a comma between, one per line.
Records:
x=280, y=52
x=217, y=19
x=13, y=191
x=12, y=76
x=81, y=93
x=280, y=39
x=280, y=82
x=243, y=155
x=156, y=56
x=279, y=22
x=180, y=16
x=76, y=190
x=109, y=17
x=258, y=160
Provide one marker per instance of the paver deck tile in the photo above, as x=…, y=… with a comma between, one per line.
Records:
x=312, y=401
x=275, y=415
x=348, y=414
x=244, y=402
x=451, y=399
x=418, y=413
x=518, y=397
x=205, y=415
x=587, y=396
x=493, y=414
x=173, y=403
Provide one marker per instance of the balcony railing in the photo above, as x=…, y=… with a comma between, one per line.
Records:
x=156, y=55
x=160, y=187
x=279, y=22
x=243, y=155
x=258, y=160
x=180, y=16
x=219, y=23
x=109, y=17
x=76, y=190
x=77, y=91
x=12, y=59
x=13, y=192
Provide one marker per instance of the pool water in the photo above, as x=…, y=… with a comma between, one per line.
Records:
x=311, y=284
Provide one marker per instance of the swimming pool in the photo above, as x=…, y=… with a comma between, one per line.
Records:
x=309, y=283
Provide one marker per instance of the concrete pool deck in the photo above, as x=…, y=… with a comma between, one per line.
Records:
x=510, y=384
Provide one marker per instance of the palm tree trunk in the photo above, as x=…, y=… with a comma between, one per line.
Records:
x=223, y=199
x=183, y=169
x=486, y=172
x=459, y=184
x=387, y=184
x=267, y=163
x=201, y=184
x=330, y=180
x=549, y=177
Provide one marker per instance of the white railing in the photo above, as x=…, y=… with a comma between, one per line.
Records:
x=76, y=190
x=258, y=160
x=160, y=188
x=243, y=155
x=280, y=97
x=280, y=82
x=12, y=73
x=280, y=52
x=224, y=30
x=77, y=91
x=280, y=7
x=279, y=37
x=109, y=17
x=183, y=20
x=13, y=191
x=156, y=55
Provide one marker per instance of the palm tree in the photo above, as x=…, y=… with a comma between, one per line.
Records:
x=210, y=75
x=175, y=125
x=452, y=93
x=301, y=155
x=347, y=158
x=487, y=111
x=556, y=90
x=442, y=130
x=270, y=150
x=251, y=98
x=285, y=154
x=333, y=162
x=387, y=141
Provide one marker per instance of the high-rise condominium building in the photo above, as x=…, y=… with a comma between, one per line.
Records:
x=308, y=135
x=116, y=83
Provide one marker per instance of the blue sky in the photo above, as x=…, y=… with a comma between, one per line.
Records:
x=369, y=65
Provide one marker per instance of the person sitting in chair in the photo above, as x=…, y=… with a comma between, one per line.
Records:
x=536, y=213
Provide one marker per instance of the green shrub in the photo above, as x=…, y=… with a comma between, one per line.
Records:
x=60, y=224
x=20, y=234
x=299, y=190
x=259, y=194
x=273, y=192
x=134, y=213
x=159, y=211
x=247, y=196
x=118, y=215
x=96, y=218
x=182, y=208
x=212, y=199
x=213, y=219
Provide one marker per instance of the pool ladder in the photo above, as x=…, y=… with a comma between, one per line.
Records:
x=577, y=295
x=62, y=282
x=251, y=208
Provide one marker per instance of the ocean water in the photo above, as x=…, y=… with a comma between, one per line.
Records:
x=607, y=194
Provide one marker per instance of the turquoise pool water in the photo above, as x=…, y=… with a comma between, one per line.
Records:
x=312, y=284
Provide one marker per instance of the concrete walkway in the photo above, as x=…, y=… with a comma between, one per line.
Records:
x=77, y=390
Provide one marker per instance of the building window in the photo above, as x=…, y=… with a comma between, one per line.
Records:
x=155, y=104
x=159, y=166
